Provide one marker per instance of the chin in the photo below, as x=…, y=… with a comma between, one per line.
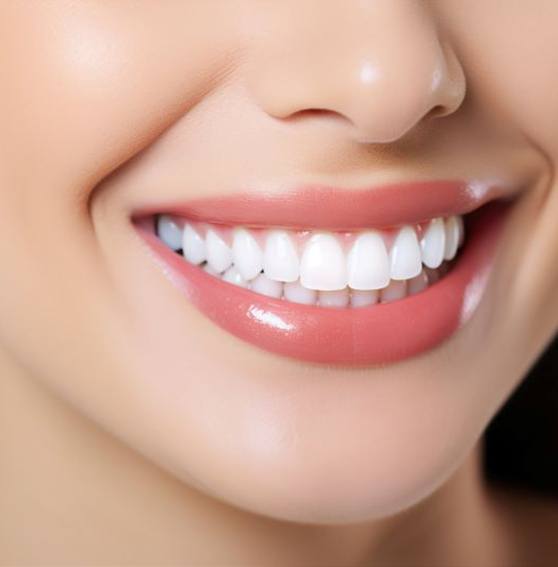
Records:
x=326, y=411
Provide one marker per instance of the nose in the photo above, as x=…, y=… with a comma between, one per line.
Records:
x=379, y=66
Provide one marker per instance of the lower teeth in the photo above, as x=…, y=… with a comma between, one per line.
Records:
x=295, y=293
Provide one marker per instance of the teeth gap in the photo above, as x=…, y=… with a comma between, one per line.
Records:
x=320, y=267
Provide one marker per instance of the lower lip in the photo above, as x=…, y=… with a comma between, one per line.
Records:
x=377, y=334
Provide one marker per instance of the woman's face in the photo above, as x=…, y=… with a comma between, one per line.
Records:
x=337, y=118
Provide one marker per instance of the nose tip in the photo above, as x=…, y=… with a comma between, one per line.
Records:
x=382, y=77
x=384, y=103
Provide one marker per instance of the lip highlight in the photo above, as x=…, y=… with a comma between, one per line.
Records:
x=377, y=334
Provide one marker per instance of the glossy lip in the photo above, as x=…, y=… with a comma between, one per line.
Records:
x=378, y=334
x=326, y=207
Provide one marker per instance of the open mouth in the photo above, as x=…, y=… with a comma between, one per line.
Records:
x=380, y=276
x=329, y=269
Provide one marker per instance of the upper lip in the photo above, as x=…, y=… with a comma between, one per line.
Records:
x=334, y=208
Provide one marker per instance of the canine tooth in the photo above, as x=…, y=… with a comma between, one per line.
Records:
x=232, y=275
x=193, y=245
x=433, y=243
x=323, y=266
x=297, y=293
x=405, y=256
x=363, y=298
x=417, y=284
x=368, y=262
x=169, y=232
x=219, y=255
x=397, y=289
x=280, y=260
x=247, y=254
x=452, y=238
x=262, y=284
x=334, y=298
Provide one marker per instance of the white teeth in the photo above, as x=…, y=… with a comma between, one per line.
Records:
x=397, y=289
x=232, y=275
x=247, y=254
x=219, y=254
x=364, y=298
x=334, y=298
x=323, y=265
x=265, y=286
x=280, y=258
x=417, y=284
x=193, y=245
x=324, y=274
x=169, y=232
x=368, y=262
x=452, y=238
x=207, y=268
x=297, y=293
x=405, y=255
x=433, y=243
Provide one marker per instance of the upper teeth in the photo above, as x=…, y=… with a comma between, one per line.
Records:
x=323, y=265
x=281, y=261
x=319, y=260
x=405, y=255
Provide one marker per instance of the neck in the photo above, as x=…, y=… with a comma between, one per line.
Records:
x=76, y=492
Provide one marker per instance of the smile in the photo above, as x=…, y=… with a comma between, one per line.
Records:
x=318, y=267
x=379, y=275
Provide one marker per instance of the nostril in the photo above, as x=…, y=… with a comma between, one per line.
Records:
x=438, y=111
x=317, y=113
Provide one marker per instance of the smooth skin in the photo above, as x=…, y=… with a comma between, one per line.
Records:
x=135, y=432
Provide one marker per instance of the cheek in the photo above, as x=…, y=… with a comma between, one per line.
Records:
x=509, y=52
x=91, y=85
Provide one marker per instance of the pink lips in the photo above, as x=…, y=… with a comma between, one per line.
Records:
x=376, y=334
x=337, y=209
